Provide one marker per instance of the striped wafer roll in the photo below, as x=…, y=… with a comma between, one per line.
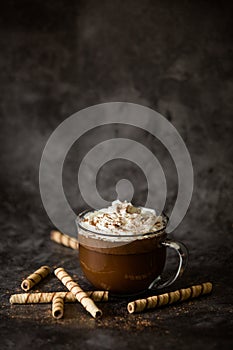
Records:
x=169, y=298
x=64, y=239
x=57, y=307
x=43, y=298
x=35, y=278
x=80, y=295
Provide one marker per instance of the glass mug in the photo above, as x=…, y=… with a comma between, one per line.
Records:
x=127, y=264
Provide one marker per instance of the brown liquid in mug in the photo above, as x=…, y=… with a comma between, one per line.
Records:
x=127, y=269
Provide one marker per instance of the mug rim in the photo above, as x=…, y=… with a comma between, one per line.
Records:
x=84, y=212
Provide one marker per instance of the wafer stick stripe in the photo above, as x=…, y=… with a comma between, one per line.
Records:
x=196, y=291
x=64, y=239
x=169, y=298
x=41, y=298
x=35, y=278
x=185, y=294
x=162, y=299
x=98, y=295
x=86, y=302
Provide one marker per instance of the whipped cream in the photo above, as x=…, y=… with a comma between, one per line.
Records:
x=122, y=218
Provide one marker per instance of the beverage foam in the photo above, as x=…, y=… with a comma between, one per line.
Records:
x=123, y=219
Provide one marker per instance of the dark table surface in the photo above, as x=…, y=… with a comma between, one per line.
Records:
x=59, y=57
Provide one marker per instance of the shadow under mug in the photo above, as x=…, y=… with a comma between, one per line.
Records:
x=128, y=264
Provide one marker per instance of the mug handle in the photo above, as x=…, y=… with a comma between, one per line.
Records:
x=182, y=252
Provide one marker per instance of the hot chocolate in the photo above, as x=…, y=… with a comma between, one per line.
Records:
x=122, y=248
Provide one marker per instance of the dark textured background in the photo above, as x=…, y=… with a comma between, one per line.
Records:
x=57, y=57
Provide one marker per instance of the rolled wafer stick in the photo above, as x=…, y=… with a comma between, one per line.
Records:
x=64, y=239
x=80, y=295
x=35, y=278
x=43, y=298
x=58, y=307
x=169, y=298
